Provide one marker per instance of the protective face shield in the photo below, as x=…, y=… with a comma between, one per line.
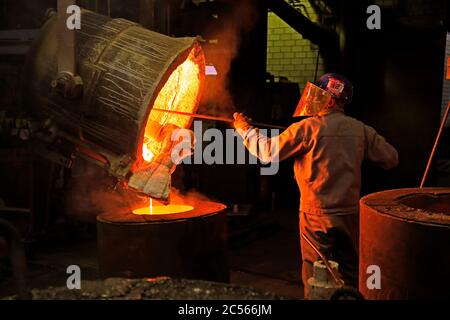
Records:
x=313, y=101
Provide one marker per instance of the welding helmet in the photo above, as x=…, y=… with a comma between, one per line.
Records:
x=317, y=97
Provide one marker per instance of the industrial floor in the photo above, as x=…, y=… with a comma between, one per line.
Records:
x=264, y=256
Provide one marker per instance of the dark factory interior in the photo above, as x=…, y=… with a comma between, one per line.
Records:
x=220, y=149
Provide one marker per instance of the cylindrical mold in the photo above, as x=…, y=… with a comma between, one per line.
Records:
x=125, y=70
x=405, y=234
x=322, y=286
x=190, y=245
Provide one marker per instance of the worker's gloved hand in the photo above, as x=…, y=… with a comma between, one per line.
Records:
x=241, y=122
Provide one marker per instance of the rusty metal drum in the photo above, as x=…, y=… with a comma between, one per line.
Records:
x=189, y=245
x=406, y=234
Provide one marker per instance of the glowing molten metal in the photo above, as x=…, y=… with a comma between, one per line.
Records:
x=180, y=93
x=162, y=210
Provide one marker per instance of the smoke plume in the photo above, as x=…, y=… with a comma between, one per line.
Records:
x=223, y=48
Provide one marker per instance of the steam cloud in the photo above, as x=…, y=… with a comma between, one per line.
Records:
x=94, y=192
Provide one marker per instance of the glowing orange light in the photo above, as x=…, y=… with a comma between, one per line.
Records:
x=162, y=210
x=179, y=93
x=147, y=154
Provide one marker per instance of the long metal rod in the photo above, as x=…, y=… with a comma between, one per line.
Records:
x=430, y=160
x=222, y=119
x=335, y=276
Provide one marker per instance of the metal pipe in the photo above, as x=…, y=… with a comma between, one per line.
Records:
x=430, y=160
x=215, y=118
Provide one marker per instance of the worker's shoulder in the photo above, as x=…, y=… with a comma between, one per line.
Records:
x=307, y=126
x=352, y=120
x=358, y=127
x=301, y=124
x=329, y=118
x=342, y=118
x=359, y=123
x=306, y=123
x=335, y=123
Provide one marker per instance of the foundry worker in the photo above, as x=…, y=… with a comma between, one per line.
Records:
x=329, y=148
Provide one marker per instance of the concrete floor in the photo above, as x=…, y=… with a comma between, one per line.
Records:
x=270, y=264
x=266, y=257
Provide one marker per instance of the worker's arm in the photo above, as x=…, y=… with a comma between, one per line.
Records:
x=279, y=148
x=379, y=151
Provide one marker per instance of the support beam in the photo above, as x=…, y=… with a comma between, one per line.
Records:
x=308, y=29
x=327, y=40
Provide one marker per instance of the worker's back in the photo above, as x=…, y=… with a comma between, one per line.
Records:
x=328, y=170
x=328, y=150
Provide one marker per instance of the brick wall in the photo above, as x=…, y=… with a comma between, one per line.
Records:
x=288, y=54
